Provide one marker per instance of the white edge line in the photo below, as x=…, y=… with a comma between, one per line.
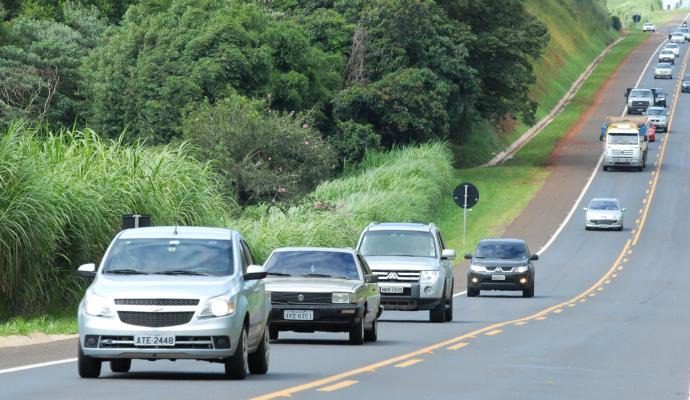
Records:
x=32, y=366
x=459, y=293
x=598, y=166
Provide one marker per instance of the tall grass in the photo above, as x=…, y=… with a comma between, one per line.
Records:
x=401, y=185
x=61, y=199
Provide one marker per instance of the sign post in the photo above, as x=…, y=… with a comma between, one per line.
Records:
x=465, y=196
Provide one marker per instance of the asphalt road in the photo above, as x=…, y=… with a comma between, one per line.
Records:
x=609, y=320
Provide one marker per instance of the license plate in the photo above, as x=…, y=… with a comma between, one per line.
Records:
x=391, y=289
x=154, y=340
x=498, y=277
x=298, y=315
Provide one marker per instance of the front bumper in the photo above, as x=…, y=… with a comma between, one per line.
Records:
x=200, y=339
x=327, y=317
x=623, y=162
x=604, y=224
x=414, y=297
x=486, y=281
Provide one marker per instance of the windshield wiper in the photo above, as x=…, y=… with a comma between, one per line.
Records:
x=324, y=276
x=278, y=274
x=126, y=271
x=182, y=272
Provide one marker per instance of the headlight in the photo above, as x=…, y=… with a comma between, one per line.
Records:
x=477, y=268
x=428, y=276
x=521, y=269
x=218, y=307
x=340, y=298
x=97, y=306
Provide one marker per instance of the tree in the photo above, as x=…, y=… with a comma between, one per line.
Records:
x=261, y=155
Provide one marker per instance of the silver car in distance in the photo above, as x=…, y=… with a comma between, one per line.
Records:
x=322, y=289
x=604, y=213
x=175, y=293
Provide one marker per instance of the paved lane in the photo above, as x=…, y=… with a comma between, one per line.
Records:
x=573, y=264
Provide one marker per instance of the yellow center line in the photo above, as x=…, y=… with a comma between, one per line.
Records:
x=458, y=346
x=337, y=386
x=520, y=323
x=494, y=332
x=408, y=363
x=560, y=310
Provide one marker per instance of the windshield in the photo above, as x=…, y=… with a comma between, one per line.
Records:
x=641, y=93
x=603, y=205
x=174, y=257
x=398, y=243
x=663, y=65
x=502, y=250
x=622, y=138
x=655, y=111
x=313, y=264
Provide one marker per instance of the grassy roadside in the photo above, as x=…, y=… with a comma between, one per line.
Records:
x=507, y=189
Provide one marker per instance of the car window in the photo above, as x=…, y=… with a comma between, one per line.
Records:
x=161, y=256
x=440, y=240
x=501, y=250
x=313, y=264
x=398, y=243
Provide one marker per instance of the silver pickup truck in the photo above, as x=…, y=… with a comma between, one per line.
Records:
x=175, y=293
x=413, y=266
x=639, y=99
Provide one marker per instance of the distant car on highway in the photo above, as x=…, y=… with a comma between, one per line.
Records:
x=675, y=47
x=677, y=37
x=639, y=99
x=660, y=96
x=414, y=267
x=604, y=213
x=657, y=116
x=501, y=264
x=667, y=56
x=648, y=27
x=323, y=289
x=685, y=84
x=175, y=293
x=663, y=70
x=685, y=31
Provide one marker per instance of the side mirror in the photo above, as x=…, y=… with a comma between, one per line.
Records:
x=623, y=210
x=371, y=279
x=87, y=271
x=255, y=272
x=468, y=256
x=534, y=257
x=585, y=208
x=448, y=254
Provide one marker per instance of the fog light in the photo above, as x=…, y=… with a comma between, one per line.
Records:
x=91, y=341
x=475, y=280
x=221, y=342
x=523, y=280
x=428, y=290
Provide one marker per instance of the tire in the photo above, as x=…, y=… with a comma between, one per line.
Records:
x=528, y=292
x=273, y=333
x=372, y=334
x=357, y=332
x=605, y=168
x=258, y=360
x=89, y=367
x=620, y=229
x=472, y=292
x=449, y=306
x=121, y=365
x=237, y=366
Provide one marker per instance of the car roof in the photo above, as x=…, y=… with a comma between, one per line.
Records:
x=177, y=232
x=604, y=199
x=671, y=44
x=503, y=240
x=656, y=108
x=401, y=226
x=315, y=249
x=663, y=64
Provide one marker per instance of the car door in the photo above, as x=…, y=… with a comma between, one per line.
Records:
x=372, y=289
x=447, y=265
x=255, y=293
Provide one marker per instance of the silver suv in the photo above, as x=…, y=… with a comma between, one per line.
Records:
x=413, y=266
x=175, y=293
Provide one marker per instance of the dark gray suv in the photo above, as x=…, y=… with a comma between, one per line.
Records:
x=501, y=264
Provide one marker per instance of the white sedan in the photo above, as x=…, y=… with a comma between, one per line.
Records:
x=649, y=27
x=674, y=47
x=604, y=213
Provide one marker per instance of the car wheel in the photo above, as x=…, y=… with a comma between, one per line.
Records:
x=372, y=334
x=606, y=168
x=472, y=292
x=449, y=307
x=237, y=366
x=528, y=292
x=121, y=365
x=273, y=333
x=357, y=332
x=258, y=360
x=89, y=367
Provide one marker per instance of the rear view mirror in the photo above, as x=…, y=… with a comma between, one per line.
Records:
x=468, y=256
x=448, y=254
x=255, y=272
x=534, y=257
x=87, y=271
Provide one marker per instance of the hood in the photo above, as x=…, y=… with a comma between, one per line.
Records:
x=489, y=262
x=398, y=263
x=161, y=286
x=310, y=285
x=603, y=214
